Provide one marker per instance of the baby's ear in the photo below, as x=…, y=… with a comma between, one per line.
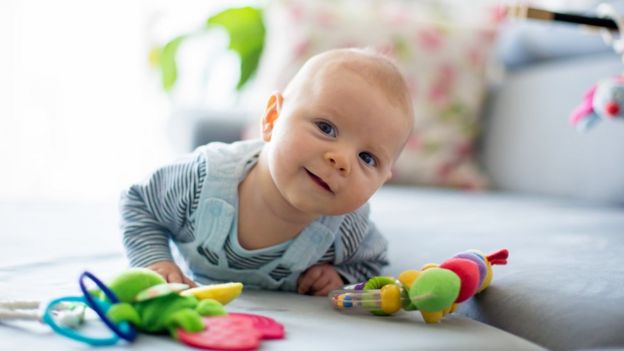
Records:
x=271, y=113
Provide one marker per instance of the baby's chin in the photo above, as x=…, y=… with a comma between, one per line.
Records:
x=317, y=210
x=339, y=211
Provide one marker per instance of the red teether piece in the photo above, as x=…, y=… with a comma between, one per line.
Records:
x=224, y=333
x=269, y=328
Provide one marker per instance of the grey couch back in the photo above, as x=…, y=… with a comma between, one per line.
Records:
x=529, y=146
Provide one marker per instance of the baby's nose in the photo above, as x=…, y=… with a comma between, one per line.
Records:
x=339, y=162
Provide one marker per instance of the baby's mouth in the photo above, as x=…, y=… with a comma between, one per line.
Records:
x=319, y=181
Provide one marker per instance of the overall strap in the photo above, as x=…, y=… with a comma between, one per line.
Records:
x=311, y=244
x=225, y=164
x=216, y=217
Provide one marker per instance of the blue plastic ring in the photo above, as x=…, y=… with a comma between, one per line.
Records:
x=130, y=333
x=69, y=332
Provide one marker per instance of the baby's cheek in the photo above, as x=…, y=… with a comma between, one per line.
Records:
x=288, y=149
x=358, y=195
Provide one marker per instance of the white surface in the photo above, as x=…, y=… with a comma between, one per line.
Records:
x=46, y=247
x=310, y=322
x=557, y=248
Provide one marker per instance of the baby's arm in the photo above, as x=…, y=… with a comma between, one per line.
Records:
x=155, y=211
x=359, y=253
x=368, y=258
x=360, y=248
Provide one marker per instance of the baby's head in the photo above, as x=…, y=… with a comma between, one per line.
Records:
x=335, y=132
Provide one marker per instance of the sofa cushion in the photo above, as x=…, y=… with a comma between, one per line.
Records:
x=563, y=286
x=525, y=43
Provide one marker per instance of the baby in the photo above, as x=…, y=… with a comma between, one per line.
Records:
x=289, y=211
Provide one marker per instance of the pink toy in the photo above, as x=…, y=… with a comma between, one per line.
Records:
x=268, y=327
x=603, y=101
x=234, y=332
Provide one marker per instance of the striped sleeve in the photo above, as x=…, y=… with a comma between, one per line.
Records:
x=362, y=248
x=158, y=209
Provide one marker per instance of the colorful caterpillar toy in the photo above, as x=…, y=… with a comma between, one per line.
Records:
x=435, y=290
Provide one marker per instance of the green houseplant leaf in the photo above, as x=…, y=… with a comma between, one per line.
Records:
x=168, y=66
x=245, y=28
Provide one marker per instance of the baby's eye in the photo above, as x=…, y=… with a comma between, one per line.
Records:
x=326, y=128
x=368, y=159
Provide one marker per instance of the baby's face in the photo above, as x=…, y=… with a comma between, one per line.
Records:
x=334, y=143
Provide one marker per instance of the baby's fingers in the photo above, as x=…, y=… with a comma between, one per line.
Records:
x=189, y=282
x=173, y=277
x=320, y=284
x=325, y=290
x=304, y=284
x=307, y=280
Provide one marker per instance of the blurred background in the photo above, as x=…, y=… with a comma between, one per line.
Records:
x=82, y=110
x=95, y=95
x=85, y=111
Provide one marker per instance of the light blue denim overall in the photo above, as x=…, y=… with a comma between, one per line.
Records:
x=216, y=218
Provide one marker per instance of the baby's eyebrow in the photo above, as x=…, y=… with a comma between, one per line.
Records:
x=332, y=110
x=381, y=153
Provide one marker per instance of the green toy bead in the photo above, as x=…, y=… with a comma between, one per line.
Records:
x=435, y=289
x=376, y=283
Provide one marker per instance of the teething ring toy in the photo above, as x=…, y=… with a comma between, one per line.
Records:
x=69, y=332
x=126, y=331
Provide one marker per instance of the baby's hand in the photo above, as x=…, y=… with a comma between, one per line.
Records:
x=319, y=280
x=171, y=272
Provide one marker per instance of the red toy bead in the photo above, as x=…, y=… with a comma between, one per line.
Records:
x=468, y=273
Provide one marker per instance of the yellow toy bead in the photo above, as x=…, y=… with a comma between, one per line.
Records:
x=407, y=277
x=432, y=317
x=429, y=266
x=390, y=298
x=454, y=307
x=488, y=277
x=339, y=301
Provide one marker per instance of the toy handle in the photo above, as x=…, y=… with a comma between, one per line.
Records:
x=124, y=330
x=69, y=332
x=372, y=300
x=356, y=300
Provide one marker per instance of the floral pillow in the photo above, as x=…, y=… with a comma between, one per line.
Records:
x=442, y=47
